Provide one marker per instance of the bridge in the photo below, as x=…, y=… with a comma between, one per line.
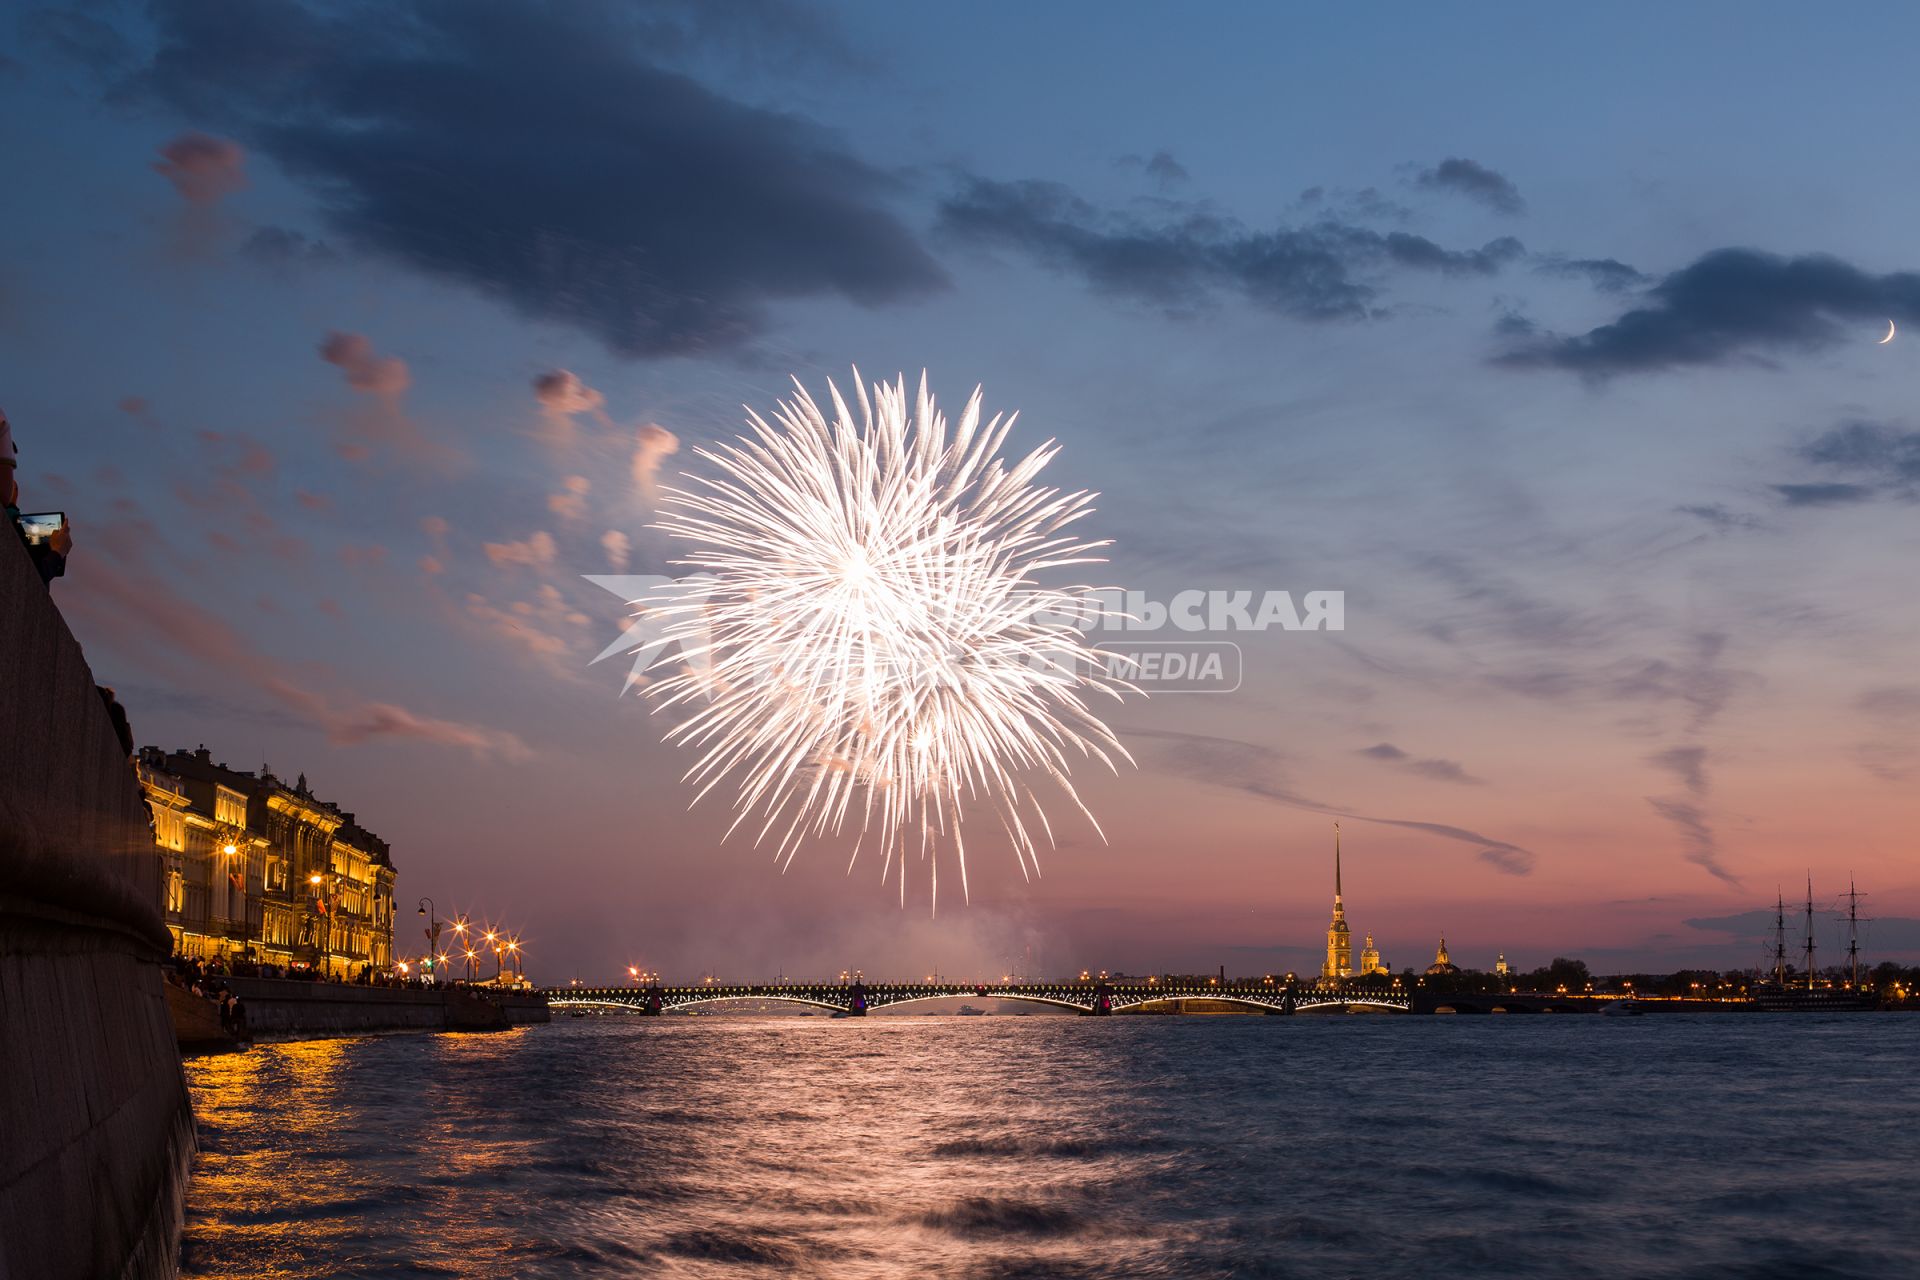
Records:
x=855, y=999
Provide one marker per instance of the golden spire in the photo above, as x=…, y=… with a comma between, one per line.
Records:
x=1336, y=864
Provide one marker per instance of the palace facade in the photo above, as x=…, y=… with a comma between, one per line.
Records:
x=259, y=867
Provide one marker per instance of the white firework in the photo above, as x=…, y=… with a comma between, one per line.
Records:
x=876, y=657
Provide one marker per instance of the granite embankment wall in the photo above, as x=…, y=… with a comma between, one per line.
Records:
x=95, y=1125
x=303, y=1010
x=279, y=1009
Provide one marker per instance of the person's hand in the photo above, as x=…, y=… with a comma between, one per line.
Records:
x=62, y=539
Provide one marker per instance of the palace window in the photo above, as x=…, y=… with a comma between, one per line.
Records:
x=229, y=808
x=170, y=828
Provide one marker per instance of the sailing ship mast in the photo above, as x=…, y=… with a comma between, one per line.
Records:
x=1779, y=939
x=1853, y=937
x=1809, y=931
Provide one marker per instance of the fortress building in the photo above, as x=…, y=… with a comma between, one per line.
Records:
x=1370, y=961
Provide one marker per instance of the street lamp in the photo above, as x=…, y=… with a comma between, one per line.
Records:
x=432, y=914
x=327, y=906
x=229, y=846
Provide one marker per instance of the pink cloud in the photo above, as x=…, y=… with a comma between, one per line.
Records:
x=202, y=168
x=536, y=552
x=561, y=392
x=312, y=501
x=571, y=502
x=653, y=444
x=381, y=421
x=366, y=371
x=618, y=547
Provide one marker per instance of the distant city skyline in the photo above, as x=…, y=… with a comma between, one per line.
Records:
x=1555, y=346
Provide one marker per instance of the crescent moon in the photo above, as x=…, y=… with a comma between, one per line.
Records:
x=1889, y=338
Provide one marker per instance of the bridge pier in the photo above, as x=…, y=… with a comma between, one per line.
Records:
x=857, y=1001
x=1102, y=1001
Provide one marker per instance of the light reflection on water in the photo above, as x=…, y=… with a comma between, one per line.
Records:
x=994, y=1147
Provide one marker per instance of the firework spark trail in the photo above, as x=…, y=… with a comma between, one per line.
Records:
x=876, y=652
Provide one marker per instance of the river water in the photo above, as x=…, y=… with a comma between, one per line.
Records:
x=1381, y=1147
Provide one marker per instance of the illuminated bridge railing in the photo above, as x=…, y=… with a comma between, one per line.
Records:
x=856, y=998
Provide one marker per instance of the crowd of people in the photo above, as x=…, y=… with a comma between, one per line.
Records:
x=204, y=980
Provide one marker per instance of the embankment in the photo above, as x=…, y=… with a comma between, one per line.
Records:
x=95, y=1125
x=283, y=1010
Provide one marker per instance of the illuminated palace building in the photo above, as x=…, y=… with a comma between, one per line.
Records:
x=1339, y=962
x=256, y=866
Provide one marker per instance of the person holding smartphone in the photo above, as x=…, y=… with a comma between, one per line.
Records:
x=48, y=537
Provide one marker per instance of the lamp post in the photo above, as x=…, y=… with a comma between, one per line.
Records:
x=329, y=903
x=229, y=847
x=432, y=914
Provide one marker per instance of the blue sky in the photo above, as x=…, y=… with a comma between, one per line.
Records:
x=1647, y=589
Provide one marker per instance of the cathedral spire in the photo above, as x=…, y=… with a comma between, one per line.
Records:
x=1339, y=962
x=1336, y=864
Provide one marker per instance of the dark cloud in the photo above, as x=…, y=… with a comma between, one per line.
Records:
x=1888, y=455
x=1476, y=182
x=1186, y=253
x=1438, y=770
x=1605, y=274
x=1719, y=516
x=1732, y=304
x=1823, y=495
x=1257, y=771
x=1698, y=681
x=1875, y=460
x=1340, y=204
x=1689, y=764
x=1165, y=171
x=1697, y=836
x=538, y=154
x=1512, y=324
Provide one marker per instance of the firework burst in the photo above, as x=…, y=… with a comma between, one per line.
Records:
x=876, y=657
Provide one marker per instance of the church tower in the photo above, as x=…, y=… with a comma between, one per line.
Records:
x=1370, y=962
x=1339, y=938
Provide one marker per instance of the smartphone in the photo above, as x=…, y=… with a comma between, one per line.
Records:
x=41, y=527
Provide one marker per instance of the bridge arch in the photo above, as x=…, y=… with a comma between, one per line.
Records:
x=1310, y=1002
x=1250, y=1004
x=1057, y=1002
x=672, y=1001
